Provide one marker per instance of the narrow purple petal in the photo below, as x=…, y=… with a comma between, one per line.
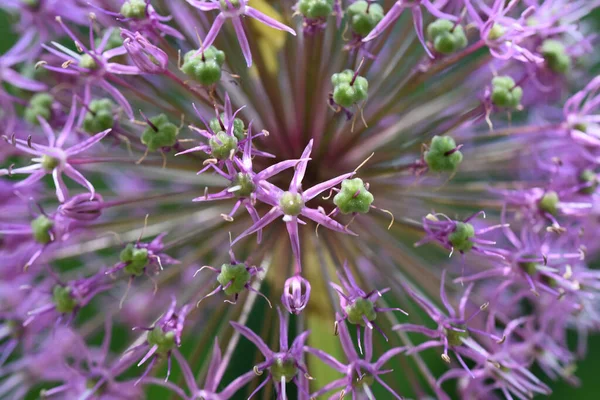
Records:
x=243, y=40
x=265, y=19
x=254, y=338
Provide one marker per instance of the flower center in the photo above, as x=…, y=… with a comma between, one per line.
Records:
x=361, y=308
x=49, y=162
x=283, y=368
x=455, y=337
x=242, y=185
x=291, y=203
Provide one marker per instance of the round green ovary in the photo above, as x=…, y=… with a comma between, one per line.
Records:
x=228, y=5
x=134, y=9
x=496, y=32
x=437, y=157
x=99, y=117
x=136, y=259
x=461, y=235
x=362, y=21
x=237, y=275
x=206, y=67
x=87, y=61
x=291, y=203
x=222, y=145
x=312, y=9
x=238, y=126
x=549, y=203
x=63, y=300
x=359, y=308
x=353, y=197
x=347, y=92
x=165, y=134
x=359, y=380
x=504, y=92
x=556, y=56
x=49, y=162
x=164, y=341
x=588, y=177
x=40, y=229
x=243, y=183
x=39, y=105
x=446, y=36
x=455, y=337
x=283, y=368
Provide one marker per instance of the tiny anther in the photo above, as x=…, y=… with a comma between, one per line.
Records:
x=29, y=142
x=484, y=306
x=67, y=63
x=446, y=358
x=39, y=64
x=502, y=339
x=227, y=218
x=257, y=371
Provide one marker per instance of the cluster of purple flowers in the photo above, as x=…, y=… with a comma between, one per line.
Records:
x=145, y=141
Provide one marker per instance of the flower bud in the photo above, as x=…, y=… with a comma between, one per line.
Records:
x=296, y=293
x=81, y=208
x=146, y=56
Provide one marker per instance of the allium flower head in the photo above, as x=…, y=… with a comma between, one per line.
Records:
x=204, y=182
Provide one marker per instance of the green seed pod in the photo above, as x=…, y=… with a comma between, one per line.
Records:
x=461, y=235
x=590, y=177
x=556, y=56
x=348, y=90
x=164, y=341
x=496, y=32
x=359, y=308
x=504, y=92
x=39, y=105
x=49, y=162
x=446, y=37
x=222, y=144
x=549, y=202
x=244, y=184
x=237, y=274
x=455, y=337
x=313, y=9
x=354, y=197
x=100, y=116
x=283, y=368
x=363, y=17
x=40, y=228
x=136, y=259
x=134, y=9
x=291, y=203
x=165, y=134
x=63, y=300
x=442, y=156
x=205, y=67
x=225, y=6
x=87, y=61
x=239, y=129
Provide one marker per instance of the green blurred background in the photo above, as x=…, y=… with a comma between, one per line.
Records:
x=587, y=369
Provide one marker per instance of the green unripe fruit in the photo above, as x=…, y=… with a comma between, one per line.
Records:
x=504, y=92
x=63, y=300
x=244, y=184
x=291, y=203
x=205, y=67
x=496, y=32
x=455, y=337
x=359, y=308
x=313, y=9
x=134, y=9
x=49, y=162
x=238, y=126
x=165, y=134
x=363, y=18
x=136, y=259
x=283, y=368
x=87, y=61
x=556, y=57
x=39, y=105
x=222, y=145
x=461, y=235
x=549, y=203
x=237, y=275
x=164, y=341
x=100, y=116
x=442, y=155
x=590, y=177
x=348, y=90
x=40, y=229
x=446, y=36
x=354, y=197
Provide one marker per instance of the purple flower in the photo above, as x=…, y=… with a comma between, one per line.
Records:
x=283, y=366
x=360, y=373
x=234, y=10
x=296, y=293
x=147, y=57
x=54, y=159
